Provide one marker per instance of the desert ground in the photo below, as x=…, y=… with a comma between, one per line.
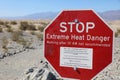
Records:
x=21, y=51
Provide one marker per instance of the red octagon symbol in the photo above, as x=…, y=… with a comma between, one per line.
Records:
x=78, y=44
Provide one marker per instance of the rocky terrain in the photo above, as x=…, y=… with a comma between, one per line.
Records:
x=12, y=67
x=21, y=52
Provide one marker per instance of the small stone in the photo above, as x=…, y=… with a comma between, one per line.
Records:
x=41, y=61
x=40, y=72
x=51, y=76
x=30, y=71
x=1, y=55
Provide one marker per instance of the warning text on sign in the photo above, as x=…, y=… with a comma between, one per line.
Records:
x=76, y=57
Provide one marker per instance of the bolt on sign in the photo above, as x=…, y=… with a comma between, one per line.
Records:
x=78, y=44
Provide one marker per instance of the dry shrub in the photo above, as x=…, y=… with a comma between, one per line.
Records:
x=1, y=30
x=6, y=22
x=41, y=28
x=1, y=23
x=22, y=41
x=32, y=32
x=31, y=27
x=44, y=24
x=9, y=29
x=4, y=43
x=13, y=22
x=116, y=34
x=16, y=35
x=7, y=25
x=40, y=36
x=25, y=26
x=118, y=30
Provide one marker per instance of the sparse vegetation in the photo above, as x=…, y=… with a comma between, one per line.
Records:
x=22, y=41
x=4, y=43
x=1, y=30
x=13, y=22
x=25, y=26
x=6, y=22
x=40, y=36
x=28, y=44
x=16, y=35
x=1, y=22
x=9, y=29
x=20, y=35
x=117, y=33
x=44, y=24
x=31, y=27
x=17, y=27
x=4, y=40
x=41, y=28
x=7, y=25
x=32, y=32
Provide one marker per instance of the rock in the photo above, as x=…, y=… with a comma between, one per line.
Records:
x=1, y=55
x=30, y=71
x=42, y=72
x=11, y=51
x=51, y=76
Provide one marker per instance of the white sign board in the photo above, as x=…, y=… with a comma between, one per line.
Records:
x=76, y=57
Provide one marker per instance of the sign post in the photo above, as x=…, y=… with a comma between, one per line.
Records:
x=78, y=44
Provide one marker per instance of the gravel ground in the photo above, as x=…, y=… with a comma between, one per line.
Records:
x=12, y=67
